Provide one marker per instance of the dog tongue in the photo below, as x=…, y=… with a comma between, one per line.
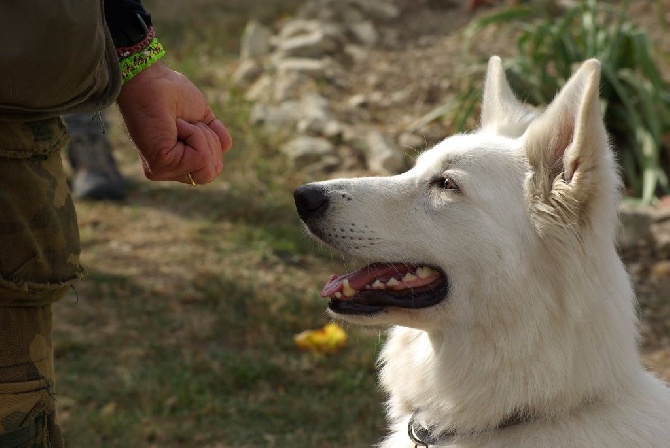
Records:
x=365, y=276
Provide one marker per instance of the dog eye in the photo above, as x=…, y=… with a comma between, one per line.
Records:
x=446, y=183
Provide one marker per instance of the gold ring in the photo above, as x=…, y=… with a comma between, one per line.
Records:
x=190, y=178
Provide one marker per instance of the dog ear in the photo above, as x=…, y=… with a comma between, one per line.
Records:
x=568, y=151
x=502, y=113
x=569, y=138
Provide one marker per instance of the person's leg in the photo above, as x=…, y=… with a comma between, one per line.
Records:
x=96, y=176
x=39, y=261
x=27, y=395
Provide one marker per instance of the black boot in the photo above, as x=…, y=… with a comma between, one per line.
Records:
x=96, y=176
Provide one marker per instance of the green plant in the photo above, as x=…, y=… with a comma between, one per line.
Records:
x=635, y=98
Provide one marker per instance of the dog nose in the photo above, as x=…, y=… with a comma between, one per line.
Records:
x=310, y=200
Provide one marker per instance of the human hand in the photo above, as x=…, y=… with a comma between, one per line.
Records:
x=173, y=127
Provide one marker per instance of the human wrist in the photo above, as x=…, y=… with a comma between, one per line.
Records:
x=134, y=63
x=141, y=84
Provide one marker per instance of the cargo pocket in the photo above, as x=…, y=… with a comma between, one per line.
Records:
x=26, y=414
x=39, y=238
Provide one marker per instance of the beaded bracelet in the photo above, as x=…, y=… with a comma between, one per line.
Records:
x=124, y=52
x=135, y=63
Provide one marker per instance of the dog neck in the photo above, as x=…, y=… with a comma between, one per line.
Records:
x=422, y=435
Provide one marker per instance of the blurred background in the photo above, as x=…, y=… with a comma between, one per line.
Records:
x=183, y=333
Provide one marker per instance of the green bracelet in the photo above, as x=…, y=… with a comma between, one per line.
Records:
x=135, y=63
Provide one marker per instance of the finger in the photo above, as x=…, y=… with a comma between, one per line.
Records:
x=192, y=136
x=216, y=151
x=213, y=168
x=190, y=152
x=222, y=134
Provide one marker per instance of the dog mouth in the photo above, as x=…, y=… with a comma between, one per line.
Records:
x=374, y=287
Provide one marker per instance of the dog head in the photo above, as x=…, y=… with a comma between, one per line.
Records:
x=460, y=235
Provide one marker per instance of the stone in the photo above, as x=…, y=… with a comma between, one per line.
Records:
x=635, y=226
x=357, y=53
x=315, y=113
x=296, y=27
x=309, y=45
x=326, y=164
x=660, y=270
x=290, y=86
x=304, y=150
x=255, y=41
x=378, y=9
x=382, y=154
x=274, y=118
x=365, y=32
x=360, y=100
x=310, y=39
x=248, y=71
x=660, y=235
x=333, y=129
x=341, y=11
x=260, y=90
x=409, y=141
x=309, y=67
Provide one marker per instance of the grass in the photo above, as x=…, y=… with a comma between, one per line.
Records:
x=215, y=369
x=182, y=334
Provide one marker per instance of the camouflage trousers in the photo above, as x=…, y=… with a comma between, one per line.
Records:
x=39, y=261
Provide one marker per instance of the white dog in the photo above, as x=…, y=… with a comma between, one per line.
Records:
x=493, y=259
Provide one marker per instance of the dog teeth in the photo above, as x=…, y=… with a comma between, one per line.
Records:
x=425, y=272
x=378, y=284
x=347, y=290
x=422, y=272
x=409, y=277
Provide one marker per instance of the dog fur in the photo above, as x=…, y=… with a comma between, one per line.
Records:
x=539, y=319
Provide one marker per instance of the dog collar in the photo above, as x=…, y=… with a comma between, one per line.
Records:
x=425, y=437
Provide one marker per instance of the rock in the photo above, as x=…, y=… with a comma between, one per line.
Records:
x=309, y=39
x=352, y=160
x=309, y=67
x=382, y=155
x=660, y=270
x=315, y=114
x=276, y=118
x=635, y=226
x=660, y=235
x=304, y=150
x=341, y=11
x=358, y=101
x=333, y=129
x=410, y=141
x=248, y=71
x=261, y=90
x=365, y=32
x=356, y=52
x=291, y=85
x=378, y=9
x=304, y=46
x=255, y=42
x=326, y=164
x=296, y=27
